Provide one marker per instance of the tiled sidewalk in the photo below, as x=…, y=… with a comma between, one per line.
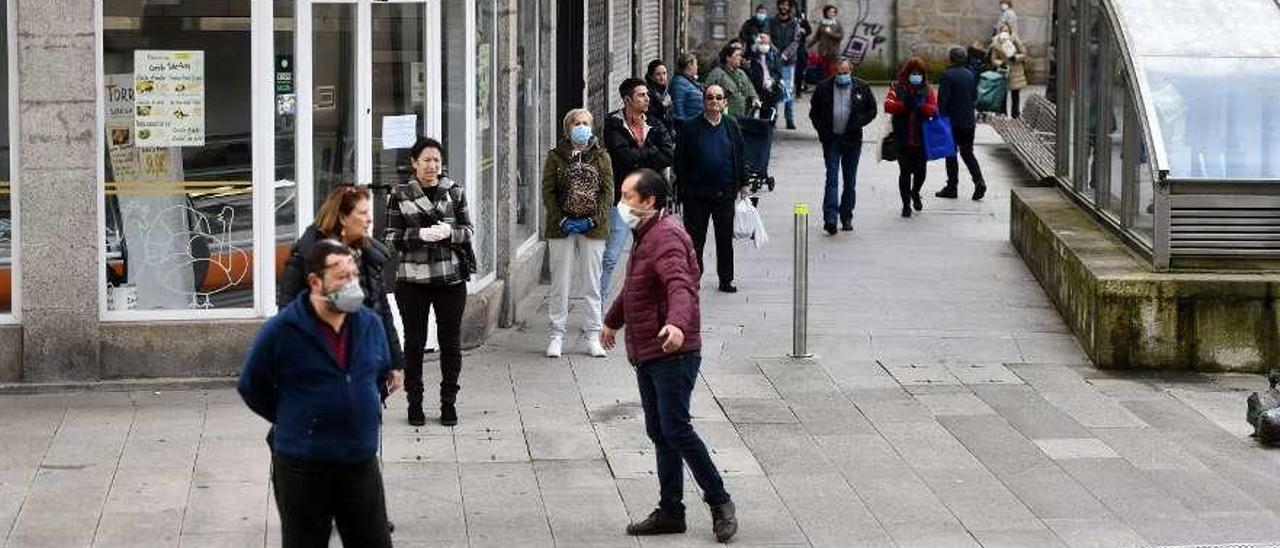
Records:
x=946, y=405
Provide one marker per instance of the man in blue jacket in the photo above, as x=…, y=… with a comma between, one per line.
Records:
x=709, y=165
x=956, y=97
x=317, y=372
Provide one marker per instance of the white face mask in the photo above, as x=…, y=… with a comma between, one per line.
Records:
x=1004, y=36
x=629, y=215
x=1004, y=7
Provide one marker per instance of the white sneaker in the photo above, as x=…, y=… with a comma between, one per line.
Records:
x=594, y=347
x=554, y=347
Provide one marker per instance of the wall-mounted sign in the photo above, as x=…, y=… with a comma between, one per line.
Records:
x=169, y=98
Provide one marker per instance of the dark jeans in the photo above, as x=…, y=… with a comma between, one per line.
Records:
x=666, y=386
x=842, y=160
x=697, y=211
x=964, y=142
x=415, y=300
x=911, y=171
x=312, y=496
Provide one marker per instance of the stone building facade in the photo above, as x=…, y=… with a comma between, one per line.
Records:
x=127, y=251
x=888, y=31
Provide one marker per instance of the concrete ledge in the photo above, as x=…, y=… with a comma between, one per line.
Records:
x=526, y=271
x=175, y=349
x=480, y=319
x=10, y=353
x=1126, y=316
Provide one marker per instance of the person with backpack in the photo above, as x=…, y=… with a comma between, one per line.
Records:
x=429, y=226
x=577, y=197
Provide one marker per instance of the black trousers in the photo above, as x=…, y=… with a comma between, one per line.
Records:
x=312, y=496
x=964, y=142
x=415, y=301
x=697, y=211
x=1013, y=106
x=911, y=172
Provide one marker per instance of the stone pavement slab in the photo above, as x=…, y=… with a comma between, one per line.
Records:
x=946, y=404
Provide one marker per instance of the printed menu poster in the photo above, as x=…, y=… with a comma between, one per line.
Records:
x=168, y=98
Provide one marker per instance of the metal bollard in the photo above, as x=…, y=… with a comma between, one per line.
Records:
x=800, y=285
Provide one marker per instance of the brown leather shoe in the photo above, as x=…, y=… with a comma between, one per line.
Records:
x=658, y=523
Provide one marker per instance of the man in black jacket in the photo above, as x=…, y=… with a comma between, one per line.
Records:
x=634, y=142
x=710, y=158
x=956, y=96
x=842, y=105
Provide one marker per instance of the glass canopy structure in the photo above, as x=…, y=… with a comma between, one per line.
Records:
x=1169, y=126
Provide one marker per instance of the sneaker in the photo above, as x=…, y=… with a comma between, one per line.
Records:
x=555, y=347
x=416, y=416
x=948, y=191
x=448, y=414
x=846, y=226
x=724, y=521
x=658, y=523
x=979, y=190
x=915, y=201
x=829, y=227
x=728, y=287
x=594, y=347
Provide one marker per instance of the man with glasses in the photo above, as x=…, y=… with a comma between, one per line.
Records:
x=710, y=169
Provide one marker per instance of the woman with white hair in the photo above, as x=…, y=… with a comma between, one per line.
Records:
x=577, y=194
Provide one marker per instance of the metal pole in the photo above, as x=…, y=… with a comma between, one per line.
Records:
x=800, y=285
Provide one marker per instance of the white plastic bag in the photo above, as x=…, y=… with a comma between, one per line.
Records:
x=745, y=219
x=748, y=224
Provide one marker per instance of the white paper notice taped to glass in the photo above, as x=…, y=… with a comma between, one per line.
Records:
x=399, y=131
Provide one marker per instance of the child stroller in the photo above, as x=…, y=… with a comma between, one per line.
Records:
x=757, y=137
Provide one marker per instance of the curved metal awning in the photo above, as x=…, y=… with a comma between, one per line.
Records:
x=1208, y=84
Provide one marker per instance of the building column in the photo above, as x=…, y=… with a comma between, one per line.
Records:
x=58, y=189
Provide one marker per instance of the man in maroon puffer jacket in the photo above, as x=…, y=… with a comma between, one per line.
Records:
x=659, y=307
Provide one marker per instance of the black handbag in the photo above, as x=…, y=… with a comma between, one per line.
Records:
x=889, y=148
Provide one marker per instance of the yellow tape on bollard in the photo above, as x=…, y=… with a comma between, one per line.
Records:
x=802, y=209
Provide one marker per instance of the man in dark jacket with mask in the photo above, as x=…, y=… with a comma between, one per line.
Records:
x=315, y=372
x=842, y=105
x=956, y=97
x=658, y=306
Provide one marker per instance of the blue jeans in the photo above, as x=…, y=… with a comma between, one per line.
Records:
x=841, y=158
x=619, y=234
x=666, y=386
x=789, y=92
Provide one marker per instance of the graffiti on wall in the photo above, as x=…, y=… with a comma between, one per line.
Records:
x=866, y=35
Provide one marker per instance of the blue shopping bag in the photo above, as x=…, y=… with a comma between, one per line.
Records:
x=938, y=141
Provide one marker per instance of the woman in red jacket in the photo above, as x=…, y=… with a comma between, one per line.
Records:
x=910, y=101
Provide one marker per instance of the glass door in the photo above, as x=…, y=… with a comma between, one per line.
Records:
x=363, y=93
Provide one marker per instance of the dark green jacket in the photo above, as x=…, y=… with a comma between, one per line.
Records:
x=558, y=159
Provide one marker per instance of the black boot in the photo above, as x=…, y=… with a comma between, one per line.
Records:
x=724, y=521
x=906, y=210
x=948, y=191
x=979, y=190
x=658, y=523
x=829, y=227
x=448, y=414
x=416, y=416
x=915, y=200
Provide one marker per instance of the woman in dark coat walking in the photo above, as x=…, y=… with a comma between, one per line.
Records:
x=911, y=101
x=347, y=216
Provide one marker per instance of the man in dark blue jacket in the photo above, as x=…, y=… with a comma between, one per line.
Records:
x=316, y=372
x=956, y=96
x=842, y=105
x=709, y=166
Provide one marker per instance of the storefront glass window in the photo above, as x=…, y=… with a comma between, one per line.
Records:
x=6, y=174
x=529, y=111
x=1091, y=83
x=179, y=154
x=486, y=200
x=334, y=108
x=286, y=119
x=1113, y=120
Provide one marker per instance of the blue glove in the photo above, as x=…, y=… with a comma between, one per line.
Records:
x=584, y=226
